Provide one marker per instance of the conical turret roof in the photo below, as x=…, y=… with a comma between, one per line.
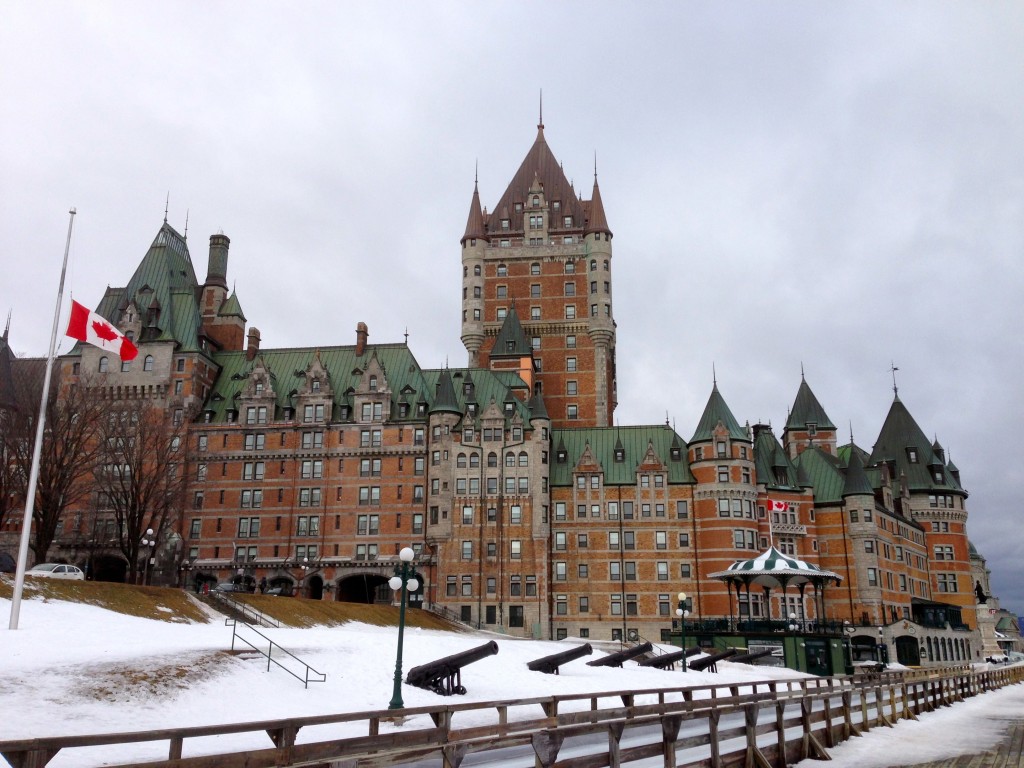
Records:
x=445, y=401
x=475, y=223
x=537, y=408
x=857, y=483
x=7, y=397
x=714, y=412
x=596, y=220
x=903, y=442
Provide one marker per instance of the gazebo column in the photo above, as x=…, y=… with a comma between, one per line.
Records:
x=803, y=613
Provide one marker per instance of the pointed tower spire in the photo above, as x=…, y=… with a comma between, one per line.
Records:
x=597, y=222
x=475, y=222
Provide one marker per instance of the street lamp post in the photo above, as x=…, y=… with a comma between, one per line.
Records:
x=883, y=649
x=148, y=546
x=404, y=581
x=682, y=613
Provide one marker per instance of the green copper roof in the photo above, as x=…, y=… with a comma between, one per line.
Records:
x=714, y=412
x=445, y=400
x=824, y=475
x=634, y=441
x=537, y=408
x=857, y=483
x=231, y=307
x=344, y=368
x=481, y=386
x=903, y=442
x=511, y=340
x=771, y=463
x=807, y=410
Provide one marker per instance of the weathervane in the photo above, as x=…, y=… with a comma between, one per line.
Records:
x=893, y=368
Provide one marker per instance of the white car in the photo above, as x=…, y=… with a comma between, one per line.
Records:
x=57, y=571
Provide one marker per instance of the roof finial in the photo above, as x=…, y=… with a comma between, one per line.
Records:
x=714, y=375
x=802, y=371
x=7, y=327
x=185, y=236
x=407, y=335
x=540, y=121
x=167, y=205
x=476, y=172
x=851, y=431
x=595, y=165
x=893, y=368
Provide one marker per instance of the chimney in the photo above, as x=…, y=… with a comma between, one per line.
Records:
x=254, y=344
x=217, y=266
x=361, y=335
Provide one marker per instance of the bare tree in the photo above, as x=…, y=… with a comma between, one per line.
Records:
x=68, y=452
x=142, y=473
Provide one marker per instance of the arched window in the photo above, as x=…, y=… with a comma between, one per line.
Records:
x=373, y=383
x=502, y=270
x=474, y=460
x=492, y=459
x=536, y=200
x=147, y=364
x=476, y=270
x=510, y=459
x=104, y=365
x=460, y=461
x=524, y=460
x=593, y=265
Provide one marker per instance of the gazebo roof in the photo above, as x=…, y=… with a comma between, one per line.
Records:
x=773, y=569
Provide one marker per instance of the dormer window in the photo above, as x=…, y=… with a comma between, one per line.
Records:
x=536, y=200
x=315, y=386
x=676, y=454
x=509, y=407
x=556, y=205
x=567, y=221
x=812, y=429
x=505, y=223
x=373, y=383
x=510, y=346
x=259, y=388
x=620, y=455
x=519, y=207
x=912, y=455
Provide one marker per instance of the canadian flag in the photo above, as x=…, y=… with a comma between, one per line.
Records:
x=778, y=506
x=85, y=325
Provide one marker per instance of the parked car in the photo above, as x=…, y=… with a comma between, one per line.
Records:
x=57, y=571
x=7, y=564
x=229, y=587
x=280, y=592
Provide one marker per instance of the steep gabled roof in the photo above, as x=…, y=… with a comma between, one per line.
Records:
x=903, y=442
x=540, y=165
x=635, y=441
x=714, y=412
x=807, y=410
x=771, y=462
x=231, y=307
x=511, y=340
x=824, y=475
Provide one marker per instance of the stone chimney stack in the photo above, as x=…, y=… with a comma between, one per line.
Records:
x=253, y=347
x=362, y=333
x=217, y=266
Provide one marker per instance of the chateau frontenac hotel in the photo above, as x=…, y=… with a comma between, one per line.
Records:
x=530, y=512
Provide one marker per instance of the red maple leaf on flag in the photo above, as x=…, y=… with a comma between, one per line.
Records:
x=104, y=331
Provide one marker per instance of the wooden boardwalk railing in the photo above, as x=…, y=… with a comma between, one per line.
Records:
x=766, y=724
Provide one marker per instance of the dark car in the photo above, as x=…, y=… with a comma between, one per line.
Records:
x=280, y=592
x=7, y=564
x=229, y=587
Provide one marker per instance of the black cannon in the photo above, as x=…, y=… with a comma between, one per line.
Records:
x=668, y=660
x=550, y=664
x=747, y=658
x=616, y=659
x=711, y=662
x=444, y=676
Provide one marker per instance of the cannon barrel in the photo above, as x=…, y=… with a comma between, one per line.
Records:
x=746, y=658
x=667, y=660
x=550, y=664
x=444, y=676
x=616, y=659
x=699, y=665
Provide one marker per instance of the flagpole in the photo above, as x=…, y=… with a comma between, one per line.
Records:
x=33, y=476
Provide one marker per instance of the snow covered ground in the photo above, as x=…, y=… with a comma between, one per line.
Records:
x=77, y=669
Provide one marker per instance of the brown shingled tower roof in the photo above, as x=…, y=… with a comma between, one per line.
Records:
x=596, y=220
x=539, y=164
x=475, y=224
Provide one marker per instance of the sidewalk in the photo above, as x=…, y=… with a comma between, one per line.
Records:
x=1009, y=753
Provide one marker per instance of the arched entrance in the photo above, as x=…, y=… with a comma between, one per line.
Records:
x=367, y=588
x=107, y=568
x=908, y=651
x=315, y=588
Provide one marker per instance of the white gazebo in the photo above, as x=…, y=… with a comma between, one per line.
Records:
x=774, y=570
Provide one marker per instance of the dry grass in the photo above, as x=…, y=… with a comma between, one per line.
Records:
x=175, y=605
x=160, y=603
x=120, y=682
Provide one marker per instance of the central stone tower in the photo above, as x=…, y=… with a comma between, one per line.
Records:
x=548, y=253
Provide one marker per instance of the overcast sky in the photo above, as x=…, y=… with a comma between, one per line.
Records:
x=834, y=185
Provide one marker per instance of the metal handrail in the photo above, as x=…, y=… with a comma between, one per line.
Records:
x=319, y=676
x=246, y=610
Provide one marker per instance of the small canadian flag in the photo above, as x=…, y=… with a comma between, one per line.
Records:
x=85, y=325
x=778, y=506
